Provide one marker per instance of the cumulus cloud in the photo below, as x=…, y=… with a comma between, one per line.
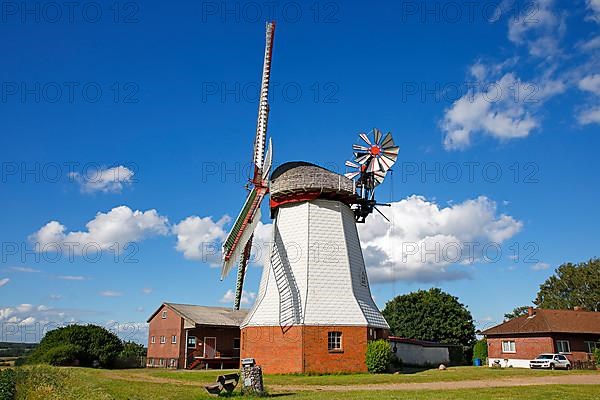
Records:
x=427, y=243
x=120, y=226
x=29, y=323
x=590, y=83
x=247, y=297
x=108, y=180
x=594, y=7
x=4, y=281
x=491, y=110
x=539, y=27
x=201, y=238
x=589, y=116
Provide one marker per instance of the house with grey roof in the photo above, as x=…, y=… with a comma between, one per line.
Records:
x=191, y=336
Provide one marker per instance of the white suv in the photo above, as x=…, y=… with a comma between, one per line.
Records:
x=550, y=361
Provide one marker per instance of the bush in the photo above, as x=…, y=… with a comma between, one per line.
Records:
x=480, y=350
x=457, y=355
x=87, y=344
x=379, y=356
x=130, y=356
x=8, y=384
x=63, y=355
x=597, y=356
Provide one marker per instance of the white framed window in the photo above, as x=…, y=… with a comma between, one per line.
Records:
x=163, y=339
x=164, y=314
x=174, y=339
x=236, y=343
x=151, y=362
x=153, y=339
x=509, y=346
x=191, y=341
x=161, y=362
x=563, y=346
x=591, y=346
x=173, y=363
x=334, y=341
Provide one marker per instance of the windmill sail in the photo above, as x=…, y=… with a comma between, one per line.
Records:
x=237, y=245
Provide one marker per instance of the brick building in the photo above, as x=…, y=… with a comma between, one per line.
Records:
x=189, y=336
x=575, y=333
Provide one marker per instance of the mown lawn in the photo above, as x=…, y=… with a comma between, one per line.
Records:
x=408, y=376
x=46, y=383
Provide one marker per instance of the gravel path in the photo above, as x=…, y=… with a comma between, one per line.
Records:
x=591, y=379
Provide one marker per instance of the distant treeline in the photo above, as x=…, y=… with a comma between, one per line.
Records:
x=10, y=349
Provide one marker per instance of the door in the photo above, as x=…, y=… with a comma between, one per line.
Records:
x=210, y=347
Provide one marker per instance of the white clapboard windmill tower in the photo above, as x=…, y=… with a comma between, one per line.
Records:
x=237, y=246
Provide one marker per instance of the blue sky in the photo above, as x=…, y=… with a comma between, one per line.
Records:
x=138, y=120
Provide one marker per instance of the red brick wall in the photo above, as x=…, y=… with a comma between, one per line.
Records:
x=526, y=347
x=171, y=325
x=304, y=349
x=530, y=347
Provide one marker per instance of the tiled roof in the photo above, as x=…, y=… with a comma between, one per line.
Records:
x=550, y=321
x=204, y=315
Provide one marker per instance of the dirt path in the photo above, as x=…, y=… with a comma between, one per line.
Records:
x=474, y=384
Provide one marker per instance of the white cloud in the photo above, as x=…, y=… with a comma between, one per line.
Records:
x=55, y=296
x=538, y=27
x=201, y=238
x=495, y=110
x=540, y=266
x=120, y=226
x=104, y=180
x=594, y=7
x=4, y=281
x=24, y=269
x=589, y=116
x=147, y=290
x=591, y=44
x=590, y=83
x=110, y=293
x=427, y=243
x=139, y=309
x=71, y=277
x=247, y=297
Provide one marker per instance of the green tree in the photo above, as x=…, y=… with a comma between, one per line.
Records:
x=83, y=344
x=516, y=313
x=132, y=350
x=572, y=285
x=430, y=315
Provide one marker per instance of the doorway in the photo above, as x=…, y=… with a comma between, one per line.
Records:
x=210, y=347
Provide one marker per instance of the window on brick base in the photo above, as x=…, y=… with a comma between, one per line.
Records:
x=563, y=346
x=591, y=346
x=509, y=346
x=334, y=341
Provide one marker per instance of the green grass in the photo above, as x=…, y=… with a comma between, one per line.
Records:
x=44, y=382
x=408, y=376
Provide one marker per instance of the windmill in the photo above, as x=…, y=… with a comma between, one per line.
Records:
x=372, y=161
x=238, y=244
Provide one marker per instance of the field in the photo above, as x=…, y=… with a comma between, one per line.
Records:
x=44, y=382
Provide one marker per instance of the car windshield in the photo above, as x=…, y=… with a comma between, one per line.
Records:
x=544, y=357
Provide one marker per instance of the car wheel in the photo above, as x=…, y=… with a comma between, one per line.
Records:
x=568, y=367
x=552, y=367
